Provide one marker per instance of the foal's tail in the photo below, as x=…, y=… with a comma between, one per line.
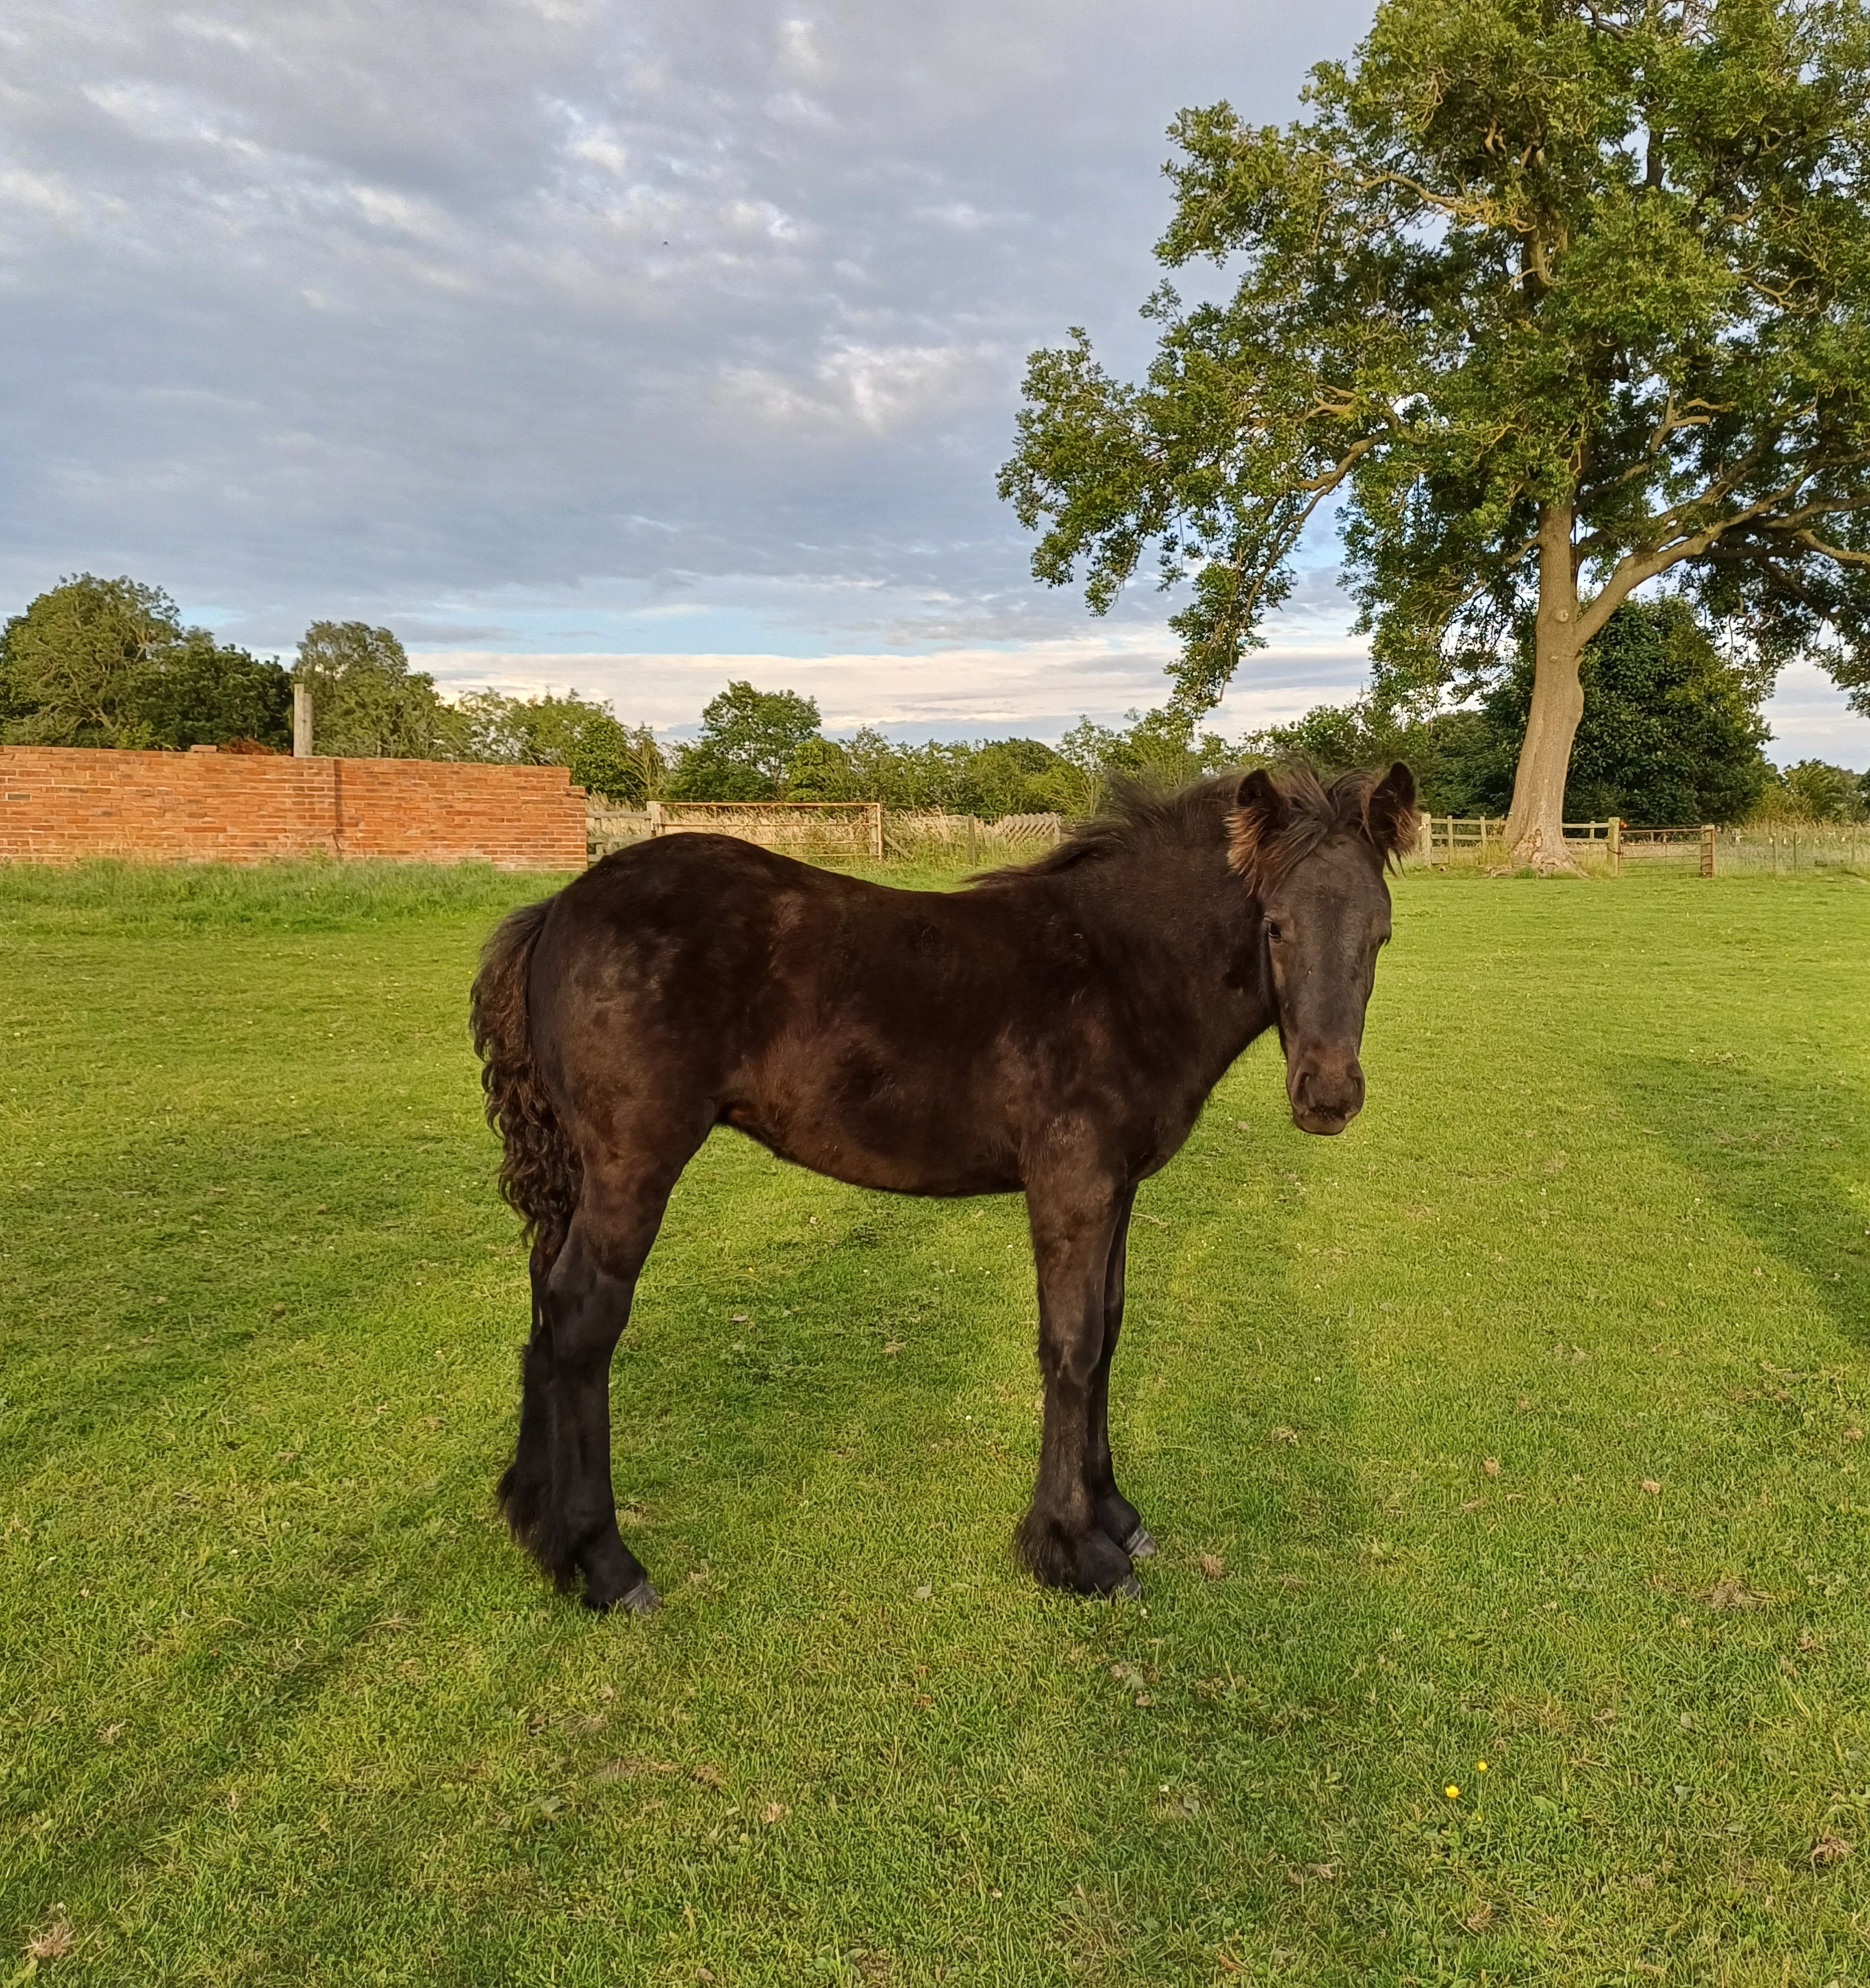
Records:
x=539, y=1170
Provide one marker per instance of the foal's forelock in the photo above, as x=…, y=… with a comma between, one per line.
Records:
x=1264, y=847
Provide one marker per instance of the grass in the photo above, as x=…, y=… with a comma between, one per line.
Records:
x=1523, y=1423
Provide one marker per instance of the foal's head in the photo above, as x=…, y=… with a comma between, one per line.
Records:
x=1314, y=857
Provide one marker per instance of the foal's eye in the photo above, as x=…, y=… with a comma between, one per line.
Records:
x=1275, y=930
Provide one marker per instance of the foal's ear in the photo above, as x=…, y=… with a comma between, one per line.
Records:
x=1258, y=814
x=1392, y=812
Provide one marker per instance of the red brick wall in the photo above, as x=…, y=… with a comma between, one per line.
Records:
x=58, y=804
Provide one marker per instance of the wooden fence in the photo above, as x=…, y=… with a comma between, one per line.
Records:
x=1443, y=839
x=1696, y=849
x=851, y=830
x=1789, y=849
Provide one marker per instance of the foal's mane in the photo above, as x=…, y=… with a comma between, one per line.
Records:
x=1137, y=816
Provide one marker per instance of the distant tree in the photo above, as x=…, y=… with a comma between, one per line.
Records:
x=623, y=763
x=108, y=662
x=1160, y=748
x=820, y=769
x=367, y=702
x=1543, y=302
x=603, y=756
x=73, y=666
x=992, y=777
x=1019, y=776
x=1815, y=790
x=197, y=692
x=1671, y=731
x=932, y=775
x=1453, y=754
x=747, y=740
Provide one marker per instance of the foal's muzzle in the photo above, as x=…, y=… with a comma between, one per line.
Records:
x=1326, y=1093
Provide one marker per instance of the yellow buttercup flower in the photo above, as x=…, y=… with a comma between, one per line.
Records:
x=1480, y=1766
x=1451, y=1791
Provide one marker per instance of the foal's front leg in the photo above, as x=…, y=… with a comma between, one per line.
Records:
x=1115, y=1515
x=1060, y=1537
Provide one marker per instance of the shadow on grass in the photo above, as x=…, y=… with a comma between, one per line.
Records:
x=1775, y=1153
x=1238, y=1817
x=111, y=1323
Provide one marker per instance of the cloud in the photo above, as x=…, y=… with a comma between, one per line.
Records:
x=1812, y=719
x=1039, y=688
x=308, y=314
x=699, y=326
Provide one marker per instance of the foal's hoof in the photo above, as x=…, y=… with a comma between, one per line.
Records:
x=1104, y=1567
x=641, y=1600
x=1139, y=1545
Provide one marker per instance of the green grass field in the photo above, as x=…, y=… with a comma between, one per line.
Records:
x=1524, y=1424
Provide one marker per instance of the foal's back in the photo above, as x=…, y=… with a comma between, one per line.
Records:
x=890, y=1038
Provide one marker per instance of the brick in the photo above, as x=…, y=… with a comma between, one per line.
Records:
x=61, y=804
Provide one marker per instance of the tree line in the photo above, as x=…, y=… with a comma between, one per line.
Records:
x=1671, y=731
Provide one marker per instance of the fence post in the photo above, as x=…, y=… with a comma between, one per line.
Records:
x=876, y=831
x=973, y=841
x=302, y=721
x=1425, y=837
x=655, y=817
x=1613, y=836
x=1707, y=849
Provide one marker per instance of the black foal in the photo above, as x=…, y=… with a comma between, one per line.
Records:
x=1052, y=1030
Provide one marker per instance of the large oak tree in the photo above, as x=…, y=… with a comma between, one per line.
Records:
x=1545, y=301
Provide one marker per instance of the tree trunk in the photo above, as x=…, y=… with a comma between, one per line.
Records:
x=1535, y=824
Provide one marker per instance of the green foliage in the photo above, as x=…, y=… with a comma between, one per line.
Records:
x=196, y=693
x=1453, y=754
x=73, y=666
x=1602, y=266
x=934, y=775
x=747, y=740
x=285, y=1703
x=367, y=702
x=820, y=769
x=766, y=745
x=108, y=663
x=1671, y=734
x=1004, y=776
x=995, y=777
x=989, y=778
x=1159, y=747
x=622, y=763
x=1815, y=790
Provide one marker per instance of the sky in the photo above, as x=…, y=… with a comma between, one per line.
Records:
x=630, y=348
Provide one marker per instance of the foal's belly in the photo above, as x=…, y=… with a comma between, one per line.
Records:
x=930, y=1158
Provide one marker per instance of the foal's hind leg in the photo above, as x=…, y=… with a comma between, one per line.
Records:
x=1115, y=1515
x=524, y=1490
x=558, y=1494
x=1060, y=1539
